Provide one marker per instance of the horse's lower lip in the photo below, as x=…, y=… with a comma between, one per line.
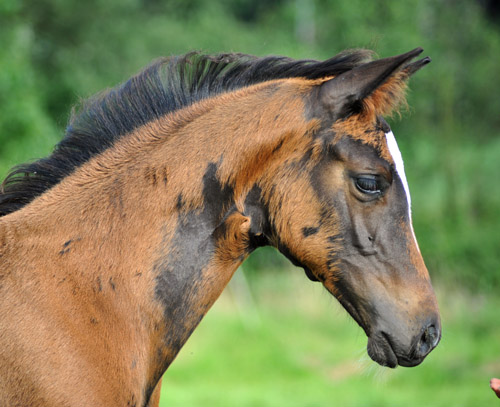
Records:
x=381, y=351
x=409, y=363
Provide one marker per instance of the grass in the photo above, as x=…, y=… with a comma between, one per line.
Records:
x=283, y=341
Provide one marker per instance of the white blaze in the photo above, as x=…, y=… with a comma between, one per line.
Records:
x=400, y=169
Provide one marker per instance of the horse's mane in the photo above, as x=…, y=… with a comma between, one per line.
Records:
x=167, y=85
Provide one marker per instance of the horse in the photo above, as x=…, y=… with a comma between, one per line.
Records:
x=114, y=247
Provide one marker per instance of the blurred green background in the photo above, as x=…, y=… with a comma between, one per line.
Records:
x=294, y=347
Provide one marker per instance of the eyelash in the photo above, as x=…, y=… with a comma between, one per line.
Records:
x=368, y=185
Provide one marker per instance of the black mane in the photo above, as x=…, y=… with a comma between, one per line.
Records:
x=167, y=85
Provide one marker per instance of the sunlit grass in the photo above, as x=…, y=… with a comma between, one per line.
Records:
x=293, y=345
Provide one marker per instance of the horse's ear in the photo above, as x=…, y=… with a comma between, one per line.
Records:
x=349, y=91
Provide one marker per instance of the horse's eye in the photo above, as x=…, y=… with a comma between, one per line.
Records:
x=368, y=185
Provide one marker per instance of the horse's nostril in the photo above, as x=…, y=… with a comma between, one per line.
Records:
x=428, y=340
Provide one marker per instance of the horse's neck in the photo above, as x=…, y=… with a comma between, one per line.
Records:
x=160, y=219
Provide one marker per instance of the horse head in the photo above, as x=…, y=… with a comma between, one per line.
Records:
x=341, y=210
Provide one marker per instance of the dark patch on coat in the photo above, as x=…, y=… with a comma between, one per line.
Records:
x=66, y=247
x=179, y=204
x=302, y=162
x=162, y=174
x=279, y=145
x=216, y=197
x=132, y=401
x=64, y=251
x=154, y=175
x=150, y=176
x=382, y=125
x=179, y=268
x=334, y=238
x=309, y=231
x=326, y=136
x=112, y=284
x=306, y=157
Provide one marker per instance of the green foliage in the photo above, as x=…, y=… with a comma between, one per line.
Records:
x=456, y=207
x=22, y=116
x=53, y=52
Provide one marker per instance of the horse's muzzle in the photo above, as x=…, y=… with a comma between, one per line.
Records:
x=388, y=350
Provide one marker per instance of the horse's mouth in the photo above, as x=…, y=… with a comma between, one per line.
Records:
x=381, y=349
